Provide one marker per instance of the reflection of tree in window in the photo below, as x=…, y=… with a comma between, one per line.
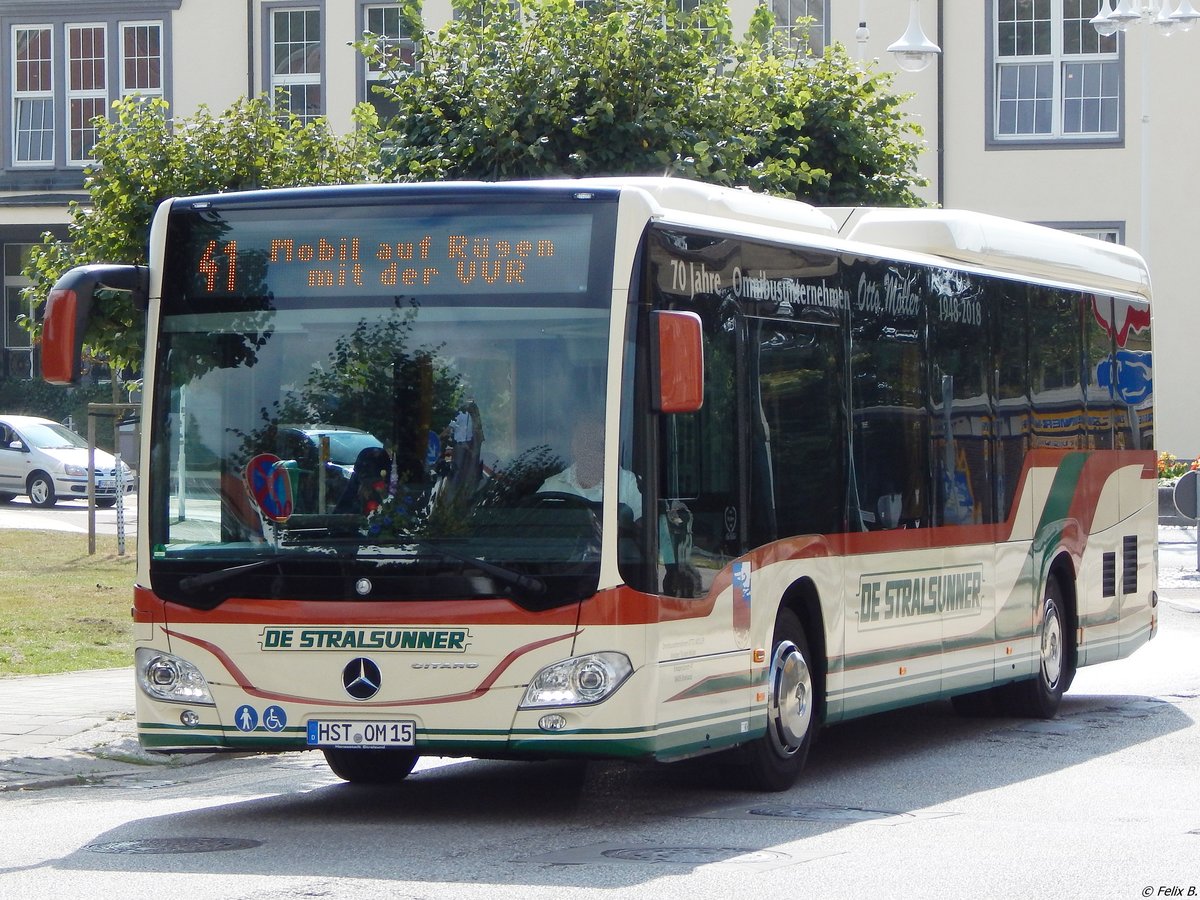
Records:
x=800, y=417
x=1055, y=355
x=960, y=402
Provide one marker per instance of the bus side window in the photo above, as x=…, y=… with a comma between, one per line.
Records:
x=890, y=459
x=1134, y=400
x=1100, y=382
x=1010, y=398
x=1055, y=369
x=797, y=387
x=698, y=514
x=960, y=402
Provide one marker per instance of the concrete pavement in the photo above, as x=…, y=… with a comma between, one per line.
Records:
x=73, y=728
x=78, y=727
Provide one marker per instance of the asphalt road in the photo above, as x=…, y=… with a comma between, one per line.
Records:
x=67, y=515
x=917, y=803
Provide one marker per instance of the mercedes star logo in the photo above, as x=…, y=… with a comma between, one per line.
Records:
x=361, y=678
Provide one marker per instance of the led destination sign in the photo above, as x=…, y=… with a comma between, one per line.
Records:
x=453, y=254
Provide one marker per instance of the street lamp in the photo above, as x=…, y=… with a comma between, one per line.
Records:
x=1129, y=12
x=914, y=51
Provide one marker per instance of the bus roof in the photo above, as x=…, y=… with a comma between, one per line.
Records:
x=685, y=195
x=977, y=239
x=1005, y=245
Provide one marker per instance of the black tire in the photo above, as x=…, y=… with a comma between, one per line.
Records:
x=41, y=490
x=1039, y=697
x=6, y=497
x=106, y=502
x=774, y=761
x=370, y=766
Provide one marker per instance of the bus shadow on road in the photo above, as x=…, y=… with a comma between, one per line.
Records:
x=554, y=823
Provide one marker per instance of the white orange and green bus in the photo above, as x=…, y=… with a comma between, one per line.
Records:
x=846, y=472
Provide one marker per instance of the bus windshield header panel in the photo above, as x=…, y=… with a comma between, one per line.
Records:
x=335, y=251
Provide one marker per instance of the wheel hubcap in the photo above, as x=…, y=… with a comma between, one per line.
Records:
x=791, y=699
x=38, y=491
x=1051, y=647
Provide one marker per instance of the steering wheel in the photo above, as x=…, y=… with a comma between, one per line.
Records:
x=586, y=546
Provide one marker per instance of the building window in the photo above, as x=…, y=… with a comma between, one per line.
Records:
x=33, y=96
x=141, y=65
x=800, y=24
x=385, y=22
x=1056, y=78
x=16, y=338
x=296, y=61
x=1108, y=235
x=87, y=93
x=76, y=56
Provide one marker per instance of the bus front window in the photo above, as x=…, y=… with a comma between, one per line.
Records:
x=406, y=437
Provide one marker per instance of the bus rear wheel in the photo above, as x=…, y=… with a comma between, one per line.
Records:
x=774, y=761
x=1039, y=697
x=370, y=766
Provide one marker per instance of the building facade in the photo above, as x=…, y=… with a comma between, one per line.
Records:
x=1028, y=113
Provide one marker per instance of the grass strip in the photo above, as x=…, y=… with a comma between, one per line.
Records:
x=62, y=610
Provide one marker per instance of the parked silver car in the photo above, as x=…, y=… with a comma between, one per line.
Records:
x=49, y=462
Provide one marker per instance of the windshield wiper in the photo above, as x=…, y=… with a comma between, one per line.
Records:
x=522, y=582
x=193, y=583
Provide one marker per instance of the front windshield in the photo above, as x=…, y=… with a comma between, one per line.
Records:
x=344, y=446
x=51, y=437
x=363, y=443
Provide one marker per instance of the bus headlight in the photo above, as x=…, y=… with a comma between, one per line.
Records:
x=577, y=681
x=167, y=677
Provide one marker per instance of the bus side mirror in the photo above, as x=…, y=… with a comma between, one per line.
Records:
x=678, y=361
x=69, y=308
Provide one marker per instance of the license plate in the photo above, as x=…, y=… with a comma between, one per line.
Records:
x=327, y=733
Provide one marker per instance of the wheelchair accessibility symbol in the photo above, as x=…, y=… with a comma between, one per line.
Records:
x=274, y=718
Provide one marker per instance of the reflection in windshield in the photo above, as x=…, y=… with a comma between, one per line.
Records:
x=473, y=406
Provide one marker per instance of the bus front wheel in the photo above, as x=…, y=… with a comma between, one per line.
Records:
x=774, y=761
x=370, y=766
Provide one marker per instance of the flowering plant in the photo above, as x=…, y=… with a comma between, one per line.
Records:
x=1171, y=467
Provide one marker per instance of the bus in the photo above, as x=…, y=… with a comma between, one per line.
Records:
x=855, y=461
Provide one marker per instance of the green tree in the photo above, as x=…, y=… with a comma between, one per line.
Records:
x=555, y=87
x=643, y=87
x=142, y=157
x=853, y=132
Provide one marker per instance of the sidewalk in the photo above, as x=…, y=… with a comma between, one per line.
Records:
x=76, y=728
x=69, y=729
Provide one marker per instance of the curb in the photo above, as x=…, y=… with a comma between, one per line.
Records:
x=101, y=754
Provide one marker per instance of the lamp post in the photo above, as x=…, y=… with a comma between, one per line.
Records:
x=914, y=51
x=1166, y=17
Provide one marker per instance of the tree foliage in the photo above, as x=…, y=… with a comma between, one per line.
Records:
x=555, y=87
